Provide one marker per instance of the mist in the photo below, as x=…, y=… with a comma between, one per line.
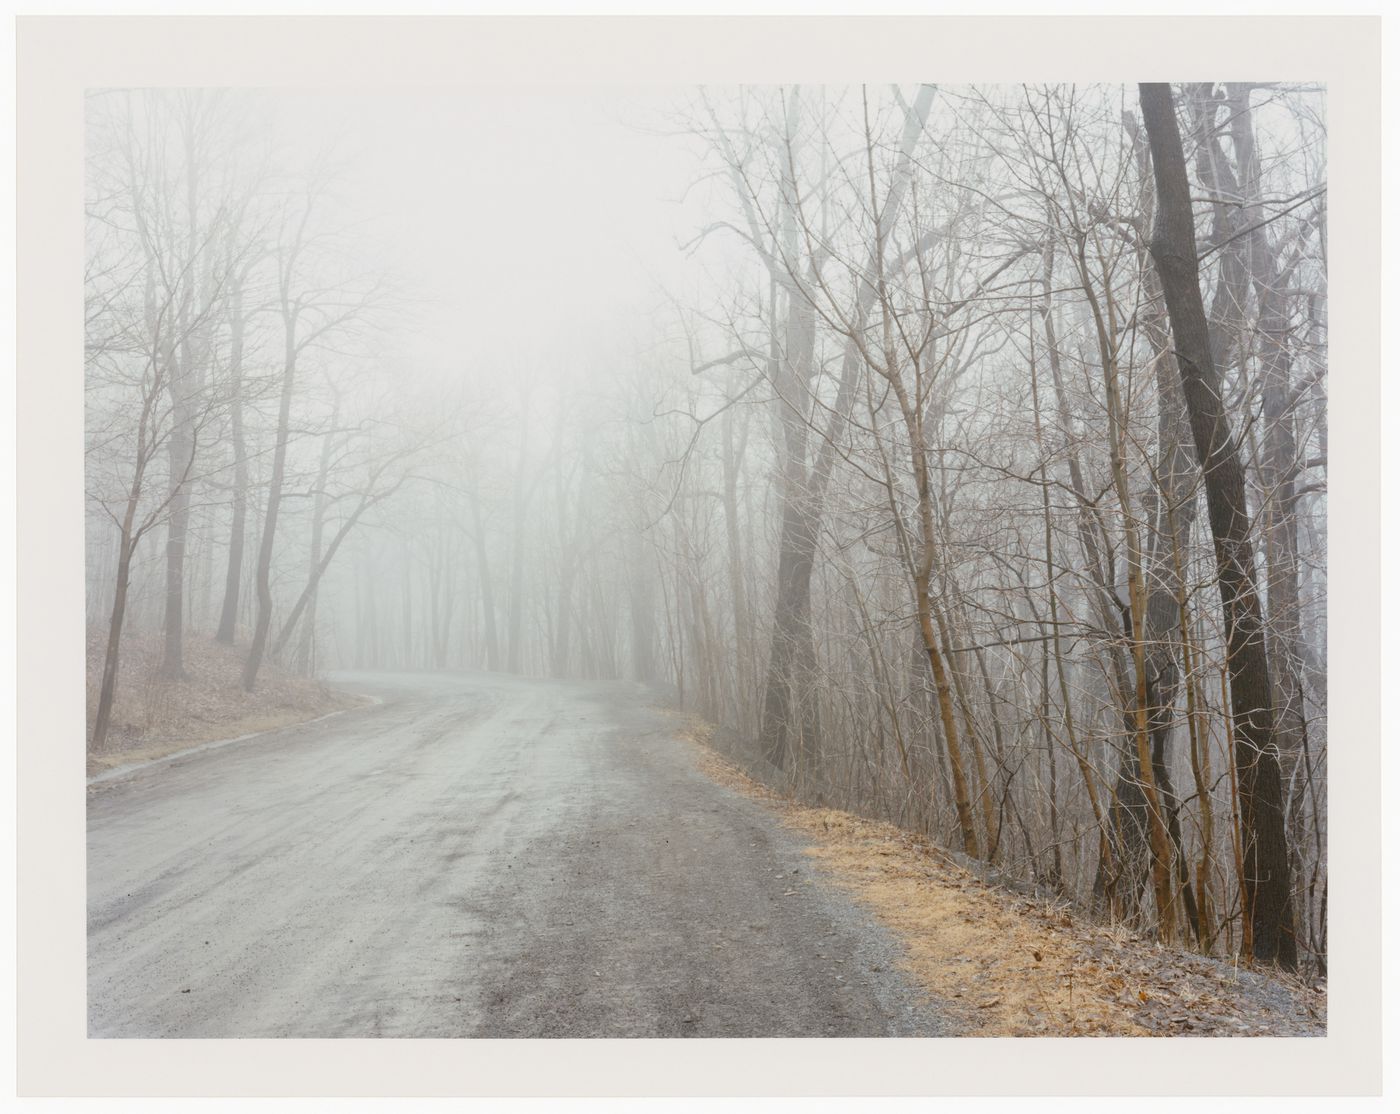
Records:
x=864, y=425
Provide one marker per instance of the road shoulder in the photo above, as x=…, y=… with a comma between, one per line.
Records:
x=1008, y=964
x=112, y=766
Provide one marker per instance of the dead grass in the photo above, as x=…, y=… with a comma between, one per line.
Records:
x=1005, y=965
x=154, y=716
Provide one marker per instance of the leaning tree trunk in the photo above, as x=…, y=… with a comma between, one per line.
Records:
x=1266, y=883
x=108, y=693
x=789, y=715
x=306, y=602
x=274, y=503
x=318, y=525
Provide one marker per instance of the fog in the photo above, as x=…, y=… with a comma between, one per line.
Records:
x=862, y=422
x=534, y=225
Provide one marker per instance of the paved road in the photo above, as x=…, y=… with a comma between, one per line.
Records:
x=476, y=856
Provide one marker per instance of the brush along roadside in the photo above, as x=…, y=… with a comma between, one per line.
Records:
x=1003, y=964
x=155, y=717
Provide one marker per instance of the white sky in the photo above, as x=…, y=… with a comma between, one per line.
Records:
x=537, y=223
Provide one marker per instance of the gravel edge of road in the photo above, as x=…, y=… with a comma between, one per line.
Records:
x=1127, y=985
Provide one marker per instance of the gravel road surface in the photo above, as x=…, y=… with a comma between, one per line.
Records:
x=476, y=856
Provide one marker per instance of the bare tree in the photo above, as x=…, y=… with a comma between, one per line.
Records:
x=1266, y=881
x=309, y=313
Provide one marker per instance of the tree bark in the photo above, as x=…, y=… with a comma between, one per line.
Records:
x=488, y=595
x=318, y=522
x=1266, y=882
x=177, y=531
x=1279, y=462
x=789, y=685
x=307, y=599
x=515, y=650
x=233, y=579
x=274, y=500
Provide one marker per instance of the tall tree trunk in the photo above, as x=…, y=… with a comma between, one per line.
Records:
x=108, y=692
x=1106, y=869
x=233, y=580
x=731, y=455
x=789, y=717
x=274, y=499
x=789, y=722
x=515, y=650
x=641, y=607
x=130, y=535
x=184, y=380
x=1171, y=505
x=177, y=528
x=1122, y=872
x=406, y=596
x=318, y=520
x=488, y=593
x=1278, y=466
x=1266, y=883
x=569, y=534
x=443, y=601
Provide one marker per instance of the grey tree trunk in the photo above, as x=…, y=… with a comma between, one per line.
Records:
x=488, y=594
x=1266, y=883
x=1278, y=466
x=177, y=530
x=515, y=649
x=274, y=500
x=233, y=579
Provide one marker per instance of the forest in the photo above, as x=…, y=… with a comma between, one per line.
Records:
x=964, y=461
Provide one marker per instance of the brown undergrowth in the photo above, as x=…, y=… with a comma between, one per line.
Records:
x=1002, y=964
x=154, y=717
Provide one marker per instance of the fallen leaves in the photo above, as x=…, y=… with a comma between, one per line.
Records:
x=1007, y=965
